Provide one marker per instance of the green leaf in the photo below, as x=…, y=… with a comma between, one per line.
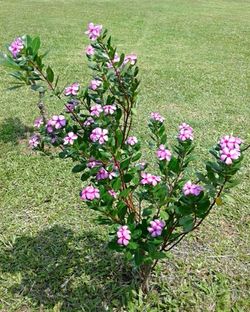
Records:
x=147, y=212
x=36, y=45
x=116, y=184
x=137, y=156
x=128, y=177
x=121, y=210
x=79, y=168
x=125, y=163
x=50, y=74
x=187, y=223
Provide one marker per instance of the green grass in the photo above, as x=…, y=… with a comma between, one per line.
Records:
x=194, y=61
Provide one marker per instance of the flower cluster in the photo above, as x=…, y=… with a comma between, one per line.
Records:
x=156, y=227
x=94, y=31
x=131, y=140
x=95, y=84
x=163, y=153
x=130, y=58
x=90, y=50
x=38, y=122
x=157, y=117
x=70, y=138
x=149, y=179
x=99, y=135
x=192, y=189
x=56, y=122
x=16, y=47
x=34, y=141
x=72, y=89
x=90, y=193
x=229, y=149
x=124, y=235
x=185, y=132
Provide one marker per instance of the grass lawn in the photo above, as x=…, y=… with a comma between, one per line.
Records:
x=194, y=61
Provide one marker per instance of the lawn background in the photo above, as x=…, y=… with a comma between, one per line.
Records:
x=194, y=67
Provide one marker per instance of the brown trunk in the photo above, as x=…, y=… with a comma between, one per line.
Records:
x=145, y=272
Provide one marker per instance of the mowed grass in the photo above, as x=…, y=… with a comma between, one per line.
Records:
x=194, y=62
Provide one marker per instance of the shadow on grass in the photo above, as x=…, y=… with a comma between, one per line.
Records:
x=61, y=270
x=13, y=130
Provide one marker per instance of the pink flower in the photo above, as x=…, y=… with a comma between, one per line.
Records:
x=156, y=227
x=38, y=122
x=115, y=60
x=90, y=193
x=123, y=235
x=157, y=117
x=72, y=89
x=99, y=135
x=148, y=178
x=94, y=31
x=89, y=121
x=34, y=141
x=58, y=122
x=90, y=50
x=96, y=110
x=109, y=109
x=112, y=193
x=163, y=153
x=16, y=47
x=191, y=189
x=229, y=155
x=70, y=138
x=230, y=142
x=132, y=58
x=92, y=163
x=50, y=126
x=131, y=140
x=185, y=132
x=95, y=84
x=102, y=174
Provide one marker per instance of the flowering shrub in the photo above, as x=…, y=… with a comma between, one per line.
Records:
x=149, y=211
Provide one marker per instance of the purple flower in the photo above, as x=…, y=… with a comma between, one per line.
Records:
x=109, y=109
x=131, y=140
x=231, y=142
x=95, y=84
x=72, y=89
x=102, y=174
x=163, y=153
x=112, y=193
x=90, y=50
x=50, y=126
x=123, y=235
x=157, y=117
x=89, y=121
x=71, y=105
x=90, y=193
x=156, y=227
x=92, y=163
x=16, y=47
x=96, y=110
x=38, y=122
x=99, y=135
x=132, y=58
x=58, y=121
x=34, y=141
x=116, y=59
x=185, y=132
x=148, y=178
x=93, y=31
x=192, y=189
x=229, y=155
x=70, y=138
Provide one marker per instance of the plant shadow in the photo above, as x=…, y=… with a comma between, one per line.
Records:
x=60, y=270
x=13, y=130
